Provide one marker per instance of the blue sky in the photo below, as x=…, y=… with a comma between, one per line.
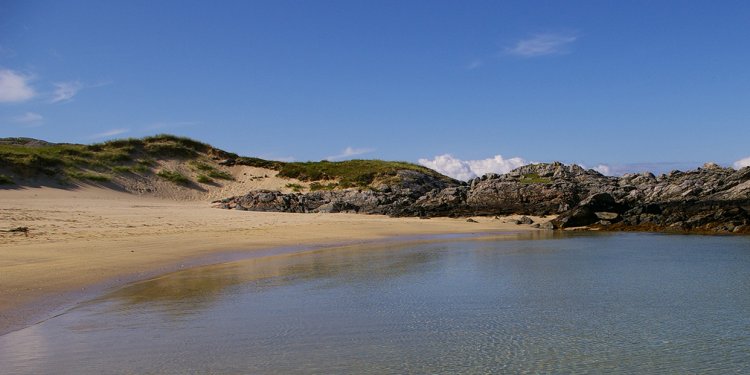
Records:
x=632, y=85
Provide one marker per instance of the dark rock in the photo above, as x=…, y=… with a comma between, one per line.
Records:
x=470, y=220
x=525, y=220
x=548, y=225
x=577, y=217
x=708, y=199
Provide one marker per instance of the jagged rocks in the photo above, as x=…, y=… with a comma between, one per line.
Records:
x=445, y=202
x=708, y=199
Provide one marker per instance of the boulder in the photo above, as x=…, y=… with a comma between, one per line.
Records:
x=525, y=220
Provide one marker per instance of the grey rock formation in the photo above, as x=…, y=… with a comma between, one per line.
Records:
x=708, y=199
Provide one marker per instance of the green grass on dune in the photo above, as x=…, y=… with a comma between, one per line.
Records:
x=204, y=179
x=6, y=180
x=351, y=172
x=174, y=176
x=30, y=158
x=209, y=171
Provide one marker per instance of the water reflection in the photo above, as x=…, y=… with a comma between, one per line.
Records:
x=191, y=290
x=625, y=303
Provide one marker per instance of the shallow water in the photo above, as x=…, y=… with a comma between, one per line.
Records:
x=627, y=303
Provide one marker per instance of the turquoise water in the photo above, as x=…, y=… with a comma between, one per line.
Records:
x=623, y=303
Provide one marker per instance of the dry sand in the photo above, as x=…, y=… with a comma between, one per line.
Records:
x=85, y=240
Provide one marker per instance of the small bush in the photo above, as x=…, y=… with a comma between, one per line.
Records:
x=204, y=179
x=220, y=175
x=128, y=144
x=122, y=169
x=295, y=187
x=318, y=186
x=147, y=162
x=170, y=150
x=117, y=156
x=184, y=142
x=173, y=176
x=141, y=168
x=201, y=166
x=259, y=163
x=6, y=180
x=79, y=175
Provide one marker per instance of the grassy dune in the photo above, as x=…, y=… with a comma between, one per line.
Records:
x=23, y=158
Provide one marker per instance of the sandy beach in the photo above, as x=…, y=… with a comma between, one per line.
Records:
x=85, y=240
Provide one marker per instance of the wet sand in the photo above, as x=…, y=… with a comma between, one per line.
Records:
x=86, y=240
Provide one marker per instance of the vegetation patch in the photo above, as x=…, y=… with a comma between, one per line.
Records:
x=174, y=176
x=201, y=166
x=6, y=180
x=533, y=178
x=140, y=168
x=80, y=175
x=220, y=175
x=295, y=187
x=28, y=158
x=204, y=179
x=350, y=173
x=31, y=161
x=122, y=169
x=259, y=163
x=315, y=186
x=170, y=150
x=210, y=171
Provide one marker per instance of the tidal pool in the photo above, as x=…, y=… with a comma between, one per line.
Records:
x=579, y=303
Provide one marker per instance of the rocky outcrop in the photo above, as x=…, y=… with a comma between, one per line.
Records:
x=395, y=199
x=709, y=199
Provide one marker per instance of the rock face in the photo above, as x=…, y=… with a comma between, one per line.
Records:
x=397, y=199
x=709, y=199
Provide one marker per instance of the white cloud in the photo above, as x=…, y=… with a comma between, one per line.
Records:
x=468, y=169
x=349, y=152
x=653, y=167
x=28, y=118
x=604, y=169
x=109, y=133
x=65, y=91
x=476, y=64
x=541, y=45
x=14, y=87
x=742, y=163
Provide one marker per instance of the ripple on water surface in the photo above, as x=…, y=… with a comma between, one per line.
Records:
x=629, y=303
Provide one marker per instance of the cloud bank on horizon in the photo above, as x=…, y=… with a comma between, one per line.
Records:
x=742, y=163
x=464, y=170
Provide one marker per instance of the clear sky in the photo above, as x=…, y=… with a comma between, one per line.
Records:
x=630, y=84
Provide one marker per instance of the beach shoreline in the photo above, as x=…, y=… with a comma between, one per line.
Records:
x=82, y=242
